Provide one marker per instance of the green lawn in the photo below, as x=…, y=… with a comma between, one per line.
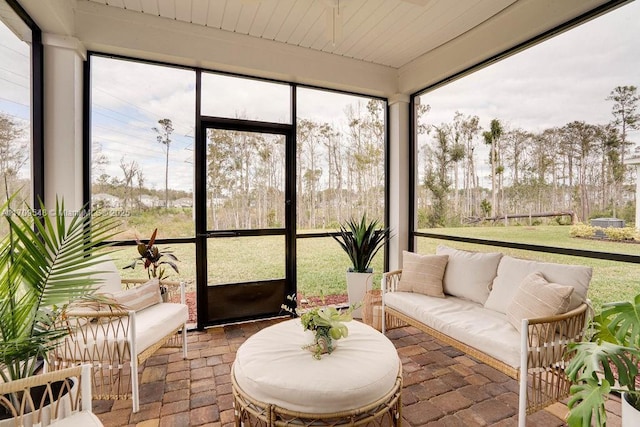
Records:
x=322, y=264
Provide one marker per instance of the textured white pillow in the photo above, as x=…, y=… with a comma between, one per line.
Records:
x=422, y=273
x=140, y=297
x=469, y=274
x=537, y=297
x=512, y=271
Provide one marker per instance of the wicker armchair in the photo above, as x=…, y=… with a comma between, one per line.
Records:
x=118, y=342
x=65, y=401
x=541, y=375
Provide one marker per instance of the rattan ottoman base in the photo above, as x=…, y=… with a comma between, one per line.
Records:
x=386, y=411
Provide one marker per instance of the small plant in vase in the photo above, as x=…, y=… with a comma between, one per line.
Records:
x=154, y=260
x=326, y=324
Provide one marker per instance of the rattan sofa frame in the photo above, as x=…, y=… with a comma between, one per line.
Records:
x=541, y=376
x=115, y=365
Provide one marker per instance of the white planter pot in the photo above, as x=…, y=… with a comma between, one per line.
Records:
x=357, y=286
x=630, y=415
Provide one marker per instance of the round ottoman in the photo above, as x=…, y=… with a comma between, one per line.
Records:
x=275, y=379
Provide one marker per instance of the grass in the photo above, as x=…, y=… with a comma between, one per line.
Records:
x=321, y=264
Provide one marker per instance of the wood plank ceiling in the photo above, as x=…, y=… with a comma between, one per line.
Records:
x=386, y=32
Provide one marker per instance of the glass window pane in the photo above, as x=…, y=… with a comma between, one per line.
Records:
x=15, y=105
x=184, y=252
x=245, y=180
x=142, y=127
x=340, y=158
x=245, y=259
x=242, y=98
x=322, y=267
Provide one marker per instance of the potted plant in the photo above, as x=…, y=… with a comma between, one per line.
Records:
x=325, y=322
x=151, y=258
x=361, y=240
x=606, y=363
x=40, y=261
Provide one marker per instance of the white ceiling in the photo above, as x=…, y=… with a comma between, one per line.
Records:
x=385, y=32
x=388, y=48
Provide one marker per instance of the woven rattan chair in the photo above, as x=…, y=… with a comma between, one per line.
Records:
x=117, y=342
x=59, y=398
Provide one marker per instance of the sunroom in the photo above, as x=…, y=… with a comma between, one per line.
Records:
x=247, y=131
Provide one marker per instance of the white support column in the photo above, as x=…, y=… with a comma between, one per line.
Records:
x=399, y=178
x=63, y=68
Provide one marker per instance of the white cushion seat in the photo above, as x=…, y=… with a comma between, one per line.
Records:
x=273, y=368
x=81, y=418
x=152, y=324
x=466, y=321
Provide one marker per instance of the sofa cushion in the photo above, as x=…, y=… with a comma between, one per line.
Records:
x=536, y=297
x=140, y=297
x=512, y=271
x=466, y=321
x=422, y=273
x=106, y=274
x=469, y=274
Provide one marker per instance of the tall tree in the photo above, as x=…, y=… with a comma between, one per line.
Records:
x=443, y=153
x=584, y=135
x=625, y=118
x=13, y=151
x=164, y=138
x=491, y=138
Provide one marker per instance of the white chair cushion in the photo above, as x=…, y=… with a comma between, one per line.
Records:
x=152, y=324
x=81, y=418
x=272, y=367
x=512, y=271
x=469, y=275
x=107, y=273
x=486, y=330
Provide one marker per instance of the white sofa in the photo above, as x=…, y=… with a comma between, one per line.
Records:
x=117, y=341
x=479, y=302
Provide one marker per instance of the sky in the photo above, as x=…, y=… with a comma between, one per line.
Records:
x=560, y=80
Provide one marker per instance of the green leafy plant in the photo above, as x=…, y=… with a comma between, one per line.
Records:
x=43, y=267
x=151, y=258
x=362, y=240
x=326, y=322
x=606, y=363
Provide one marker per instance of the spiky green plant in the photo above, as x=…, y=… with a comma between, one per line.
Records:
x=361, y=240
x=607, y=363
x=43, y=262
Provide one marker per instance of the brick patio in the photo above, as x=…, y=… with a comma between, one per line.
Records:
x=442, y=386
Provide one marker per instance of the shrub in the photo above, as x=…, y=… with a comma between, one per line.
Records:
x=582, y=230
x=619, y=234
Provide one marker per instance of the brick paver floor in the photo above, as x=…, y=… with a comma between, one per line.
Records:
x=442, y=386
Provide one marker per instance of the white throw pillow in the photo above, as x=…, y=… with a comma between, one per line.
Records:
x=422, y=273
x=469, y=274
x=536, y=297
x=140, y=297
x=512, y=271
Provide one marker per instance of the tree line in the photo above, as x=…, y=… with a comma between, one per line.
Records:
x=577, y=167
x=339, y=173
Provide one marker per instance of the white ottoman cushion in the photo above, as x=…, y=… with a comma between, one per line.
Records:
x=272, y=367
